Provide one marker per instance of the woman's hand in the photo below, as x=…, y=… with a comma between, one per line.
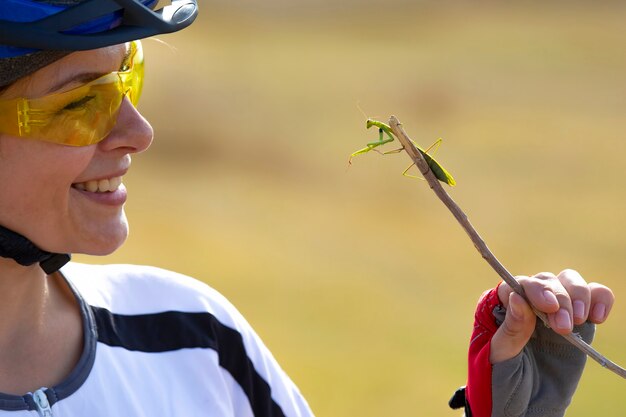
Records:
x=518, y=367
x=566, y=298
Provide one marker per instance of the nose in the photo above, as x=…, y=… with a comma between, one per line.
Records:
x=131, y=132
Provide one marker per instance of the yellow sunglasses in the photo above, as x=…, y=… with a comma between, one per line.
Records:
x=78, y=117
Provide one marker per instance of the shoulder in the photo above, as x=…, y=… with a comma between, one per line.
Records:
x=144, y=297
x=136, y=289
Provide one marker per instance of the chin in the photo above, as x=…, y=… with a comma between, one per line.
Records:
x=101, y=241
x=92, y=237
x=97, y=247
x=105, y=243
x=103, y=249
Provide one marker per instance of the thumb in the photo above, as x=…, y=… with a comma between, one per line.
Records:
x=515, y=331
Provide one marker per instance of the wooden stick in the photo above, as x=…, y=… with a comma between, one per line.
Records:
x=481, y=246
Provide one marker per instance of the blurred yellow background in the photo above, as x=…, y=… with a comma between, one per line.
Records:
x=358, y=279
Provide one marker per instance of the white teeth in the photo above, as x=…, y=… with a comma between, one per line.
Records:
x=103, y=185
x=91, y=186
x=114, y=183
x=100, y=186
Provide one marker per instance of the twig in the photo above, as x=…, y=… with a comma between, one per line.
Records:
x=480, y=245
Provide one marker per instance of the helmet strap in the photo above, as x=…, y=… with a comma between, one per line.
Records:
x=25, y=252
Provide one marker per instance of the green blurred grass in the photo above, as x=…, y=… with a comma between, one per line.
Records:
x=358, y=279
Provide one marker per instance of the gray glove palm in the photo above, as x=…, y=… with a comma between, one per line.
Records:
x=541, y=380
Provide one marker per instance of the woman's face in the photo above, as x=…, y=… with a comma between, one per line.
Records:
x=65, y=198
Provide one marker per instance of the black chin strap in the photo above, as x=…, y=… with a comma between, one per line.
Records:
x=24, y=252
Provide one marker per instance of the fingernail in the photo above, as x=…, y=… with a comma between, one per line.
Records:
x=515, y=309
x=563, y=321
x=579, y=309
x=599, y=312
x=550, y=298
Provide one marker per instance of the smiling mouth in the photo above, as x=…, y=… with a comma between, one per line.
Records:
x=106, y=185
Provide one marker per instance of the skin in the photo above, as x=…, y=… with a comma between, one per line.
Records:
x=566, y=298
x=40, y=324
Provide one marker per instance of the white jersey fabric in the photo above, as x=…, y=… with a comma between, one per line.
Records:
x=160, y=344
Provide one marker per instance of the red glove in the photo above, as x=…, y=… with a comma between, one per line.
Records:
x=478, y=389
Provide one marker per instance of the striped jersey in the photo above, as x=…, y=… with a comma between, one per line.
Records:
x=161, y=344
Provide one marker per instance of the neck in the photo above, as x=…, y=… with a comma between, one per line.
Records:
x=24, y=297
x=40, y=328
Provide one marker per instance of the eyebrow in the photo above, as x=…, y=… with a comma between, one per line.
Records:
x=88, y=76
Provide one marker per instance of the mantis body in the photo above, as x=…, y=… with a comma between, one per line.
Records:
x=384, y=129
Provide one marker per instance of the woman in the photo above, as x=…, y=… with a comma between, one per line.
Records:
x=88, y=340
x=80, y=340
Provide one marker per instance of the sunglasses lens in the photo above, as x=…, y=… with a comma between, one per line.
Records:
x=81, y=116
x=89, y=122
x=132, y=79
x=137, y=75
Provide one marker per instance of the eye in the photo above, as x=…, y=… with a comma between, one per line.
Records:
x=79, y=103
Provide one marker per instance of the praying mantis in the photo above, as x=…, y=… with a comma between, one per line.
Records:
x=383, y=129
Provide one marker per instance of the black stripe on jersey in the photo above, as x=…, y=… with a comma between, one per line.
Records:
x=173, y=330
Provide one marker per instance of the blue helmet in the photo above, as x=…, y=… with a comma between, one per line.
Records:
x=34, y=33
x=28, y=25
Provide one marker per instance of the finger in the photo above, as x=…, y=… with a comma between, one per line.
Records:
x=505, y=290
x=538, y=290
x=548, y=295
x=515, y=332
x=541, y=290
x=602, y=300
x=579, y=294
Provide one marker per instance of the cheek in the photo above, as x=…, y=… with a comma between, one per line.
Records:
x=35, y=180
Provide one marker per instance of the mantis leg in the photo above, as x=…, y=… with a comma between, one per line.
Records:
x=393, y=151
x=361, y=151
x=373, y=145
x=434, y=145
x=404, y=173
x=381, y=141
